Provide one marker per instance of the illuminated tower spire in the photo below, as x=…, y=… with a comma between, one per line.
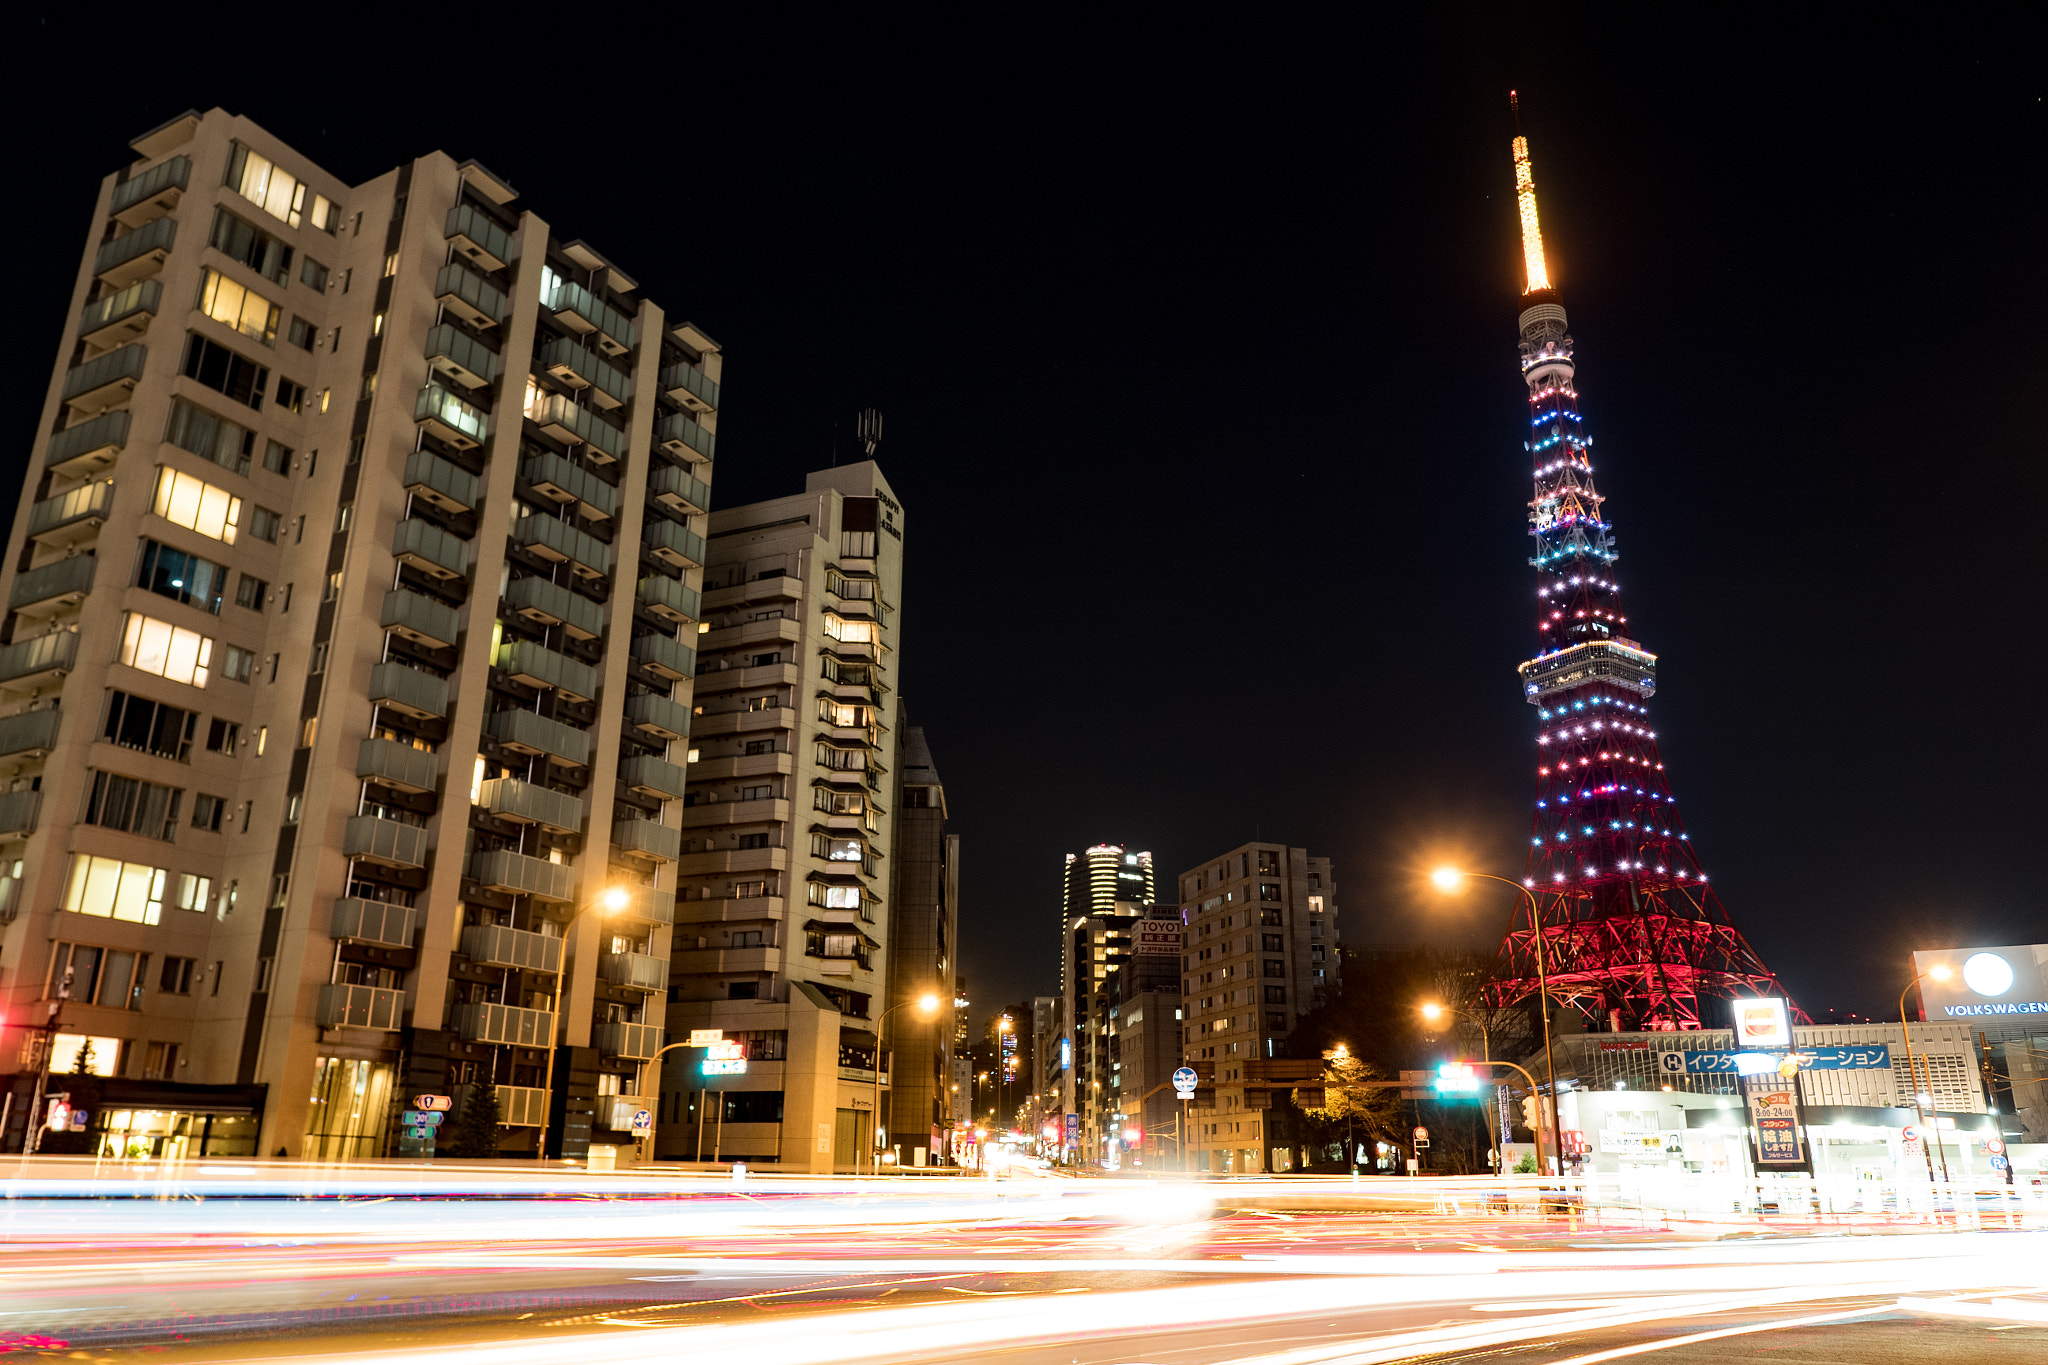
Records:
x=1630, y=932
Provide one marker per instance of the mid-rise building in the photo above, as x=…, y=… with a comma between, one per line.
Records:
x=783, y=897
x=1143, y=1045
x=1094, y=882
x=354, y=772
x=924, y=929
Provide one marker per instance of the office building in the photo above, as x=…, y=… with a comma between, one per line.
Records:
x=1143, y=1046
x=354, y=773
x=1093, y=883
x=924, y=927
x=783, y=885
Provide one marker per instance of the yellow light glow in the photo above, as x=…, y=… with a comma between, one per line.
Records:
x=616, y=898
x=1432, y=1011
x=1532, y=231
x=927, y=1003
x=1940, y=973
x=1448, y=879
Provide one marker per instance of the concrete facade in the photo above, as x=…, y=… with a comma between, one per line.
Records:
x=924, y=931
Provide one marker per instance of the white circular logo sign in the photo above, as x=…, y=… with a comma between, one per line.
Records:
x=1987, y=974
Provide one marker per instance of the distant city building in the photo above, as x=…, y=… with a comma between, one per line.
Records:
x=1144, y=1045
x=354, y=773
x=1093, y=884
x=924, y=929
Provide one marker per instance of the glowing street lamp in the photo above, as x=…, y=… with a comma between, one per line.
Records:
x=927, y=1006
x=609, y=901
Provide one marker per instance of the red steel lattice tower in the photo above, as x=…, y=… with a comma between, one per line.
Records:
x=1631, y=932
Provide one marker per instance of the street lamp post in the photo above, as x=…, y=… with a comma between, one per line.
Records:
x=1940, y=972
x=1449, y=879
x=609, y=901
x=1431, y=1011
x=926, y=1005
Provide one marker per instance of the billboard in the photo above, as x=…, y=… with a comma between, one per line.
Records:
x=1713, y=1061
x=1156, y=938
x=1774, y=1111
x=1985, y=983
x=1762, y=1022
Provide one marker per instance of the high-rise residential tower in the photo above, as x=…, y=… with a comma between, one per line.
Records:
x=351, y=610
x=1095, y=881
x=783, y=902
x=924, y=929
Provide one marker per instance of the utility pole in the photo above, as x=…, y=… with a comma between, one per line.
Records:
x=36, y=1113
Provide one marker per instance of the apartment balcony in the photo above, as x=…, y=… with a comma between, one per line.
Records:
x=387, y=843
x=743, y=765
x=781, y=588
x=408, y=691
x=519, y=1106
x=551, y=604
x=375, y=1007
x=636, y=971
x=735, y=813
x=71, y=518
x=659, y=715
x=397, y=765
x=672, y=487
x=654, y=776
x=733, y=860
x=538, y=666
x=647, y=839
x=430, y=549
x=665, y=657
x=570, y=483
x=718, y=961
x=32, y=733
x=420, y=619
x=479, y=238
x=106, y=380
x=615, y=1112
x=53, y=588
x=373, y=922
x=18, y=811
x=532, y=734
x=673, y=544
x=142, y=198
x=742, y=722
x=529, y=803
x=583, y=312
x=558, y=415
x=85, y=449
x=516, y=873
x=137, y=255
x=30, y=665
x=683, y=438
x=462, y=357
x=690, y=386
x=648, y=905
x=121, y=317
x=609, y=386
x=774, y=630
x=494, y=945
x=671, y=599
x=441, y=482
x=508, y=1024
x=559, y=542
x=631, y=1042
x=470, y=296
x=451, y=418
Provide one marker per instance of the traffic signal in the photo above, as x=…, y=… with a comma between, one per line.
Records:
x=1456, y=1078
x=1532, y=1113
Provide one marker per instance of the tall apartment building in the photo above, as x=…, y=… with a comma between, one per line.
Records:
x=1261, y=951
x=352, y=775
x=1106, y=968
x=782, y=903
x=1094, y=881
x=924, y=929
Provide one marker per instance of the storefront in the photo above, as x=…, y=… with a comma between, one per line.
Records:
x=156, y=1121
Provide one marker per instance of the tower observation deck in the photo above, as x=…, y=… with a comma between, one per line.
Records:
x=1631, y=932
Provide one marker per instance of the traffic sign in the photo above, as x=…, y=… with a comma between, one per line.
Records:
x=438, y=1103
x=422, y=1119
x=1994, y=1146
x=705, y=1037
x=1909, y=1133
x=420, y=1134
x=1421, y=1134
x=1998, y=1163
x=1184, y=1082
x=643, y=1121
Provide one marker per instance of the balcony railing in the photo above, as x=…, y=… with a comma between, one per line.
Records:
x=152, y=194
x=532, y=804
x=538, y=666
x=426, y=546
x=53, y=587
x=676, y=488
x=31, y=732
x=648, y=904
x=495, y=945
x=420, y=619
x=451, y=418
x=565, y=482
x=683, y=438
x=537, y=599
x=636, y=971
x=121, y=316
x=558, y=415
x=476, y=236
x=469, y=295
x=659, y=715
x=408, y=690
x=519, y=1106
x=655, y=776
x=516, y=873
x=74, y=517
x=387, y=842
x=129, y=258
x=690, y=386
x=105, y=380
x=27, y=665
x=633, y=1042
x=665, y=657
x=18, y=811
x=528, y=733
x=461, y=357
x=346, y=1006
x=485, y=1023
x=616, y=1112
x=609, y=386
x=441, y=482
x=88, y=447
x=673, y=544
x=671, y=599
x=581, y=311
x=363, y=921
x=397, y=765
x=648, y=838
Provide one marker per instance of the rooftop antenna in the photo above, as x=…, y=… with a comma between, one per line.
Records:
x=867, y=429
x=1537, y=274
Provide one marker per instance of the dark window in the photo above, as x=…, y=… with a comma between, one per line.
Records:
x=181, y=577
x=291, y=397
x=763, y=660
x=753, y=1106
x=760, y=746
x=249, y=592
x=1276, y=995
x=251, y=246
x=151, y=726
x=1273, y=966
x=134, y=806
x=1275, y=1019
x=1269, y=917
x=208, y=812
x=222, y=736
x=301, y=334
x=1270, y=943
x=753, y=841
x=236, y=663
x=195, y=429
x=277, y=458
x=1269, y=891
x=176, y=976
x=742, y=990
x=313, y=273
x=219, y=368
x=264, y=524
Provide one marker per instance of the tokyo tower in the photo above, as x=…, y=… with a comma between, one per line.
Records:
x=1630, y=931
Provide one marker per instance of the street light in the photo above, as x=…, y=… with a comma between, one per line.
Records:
x=1940, y=972
x=926, y=1005
x=1450, y=881
x=609, y=901
x=1432, y=1011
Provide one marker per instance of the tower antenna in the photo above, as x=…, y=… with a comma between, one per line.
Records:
x=1525, y=203
x=867, y=429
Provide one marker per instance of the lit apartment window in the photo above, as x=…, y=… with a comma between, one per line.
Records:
x=112, y=889
x=277, y=191
x=238, y=306
x=197, y=505
x=166, y=650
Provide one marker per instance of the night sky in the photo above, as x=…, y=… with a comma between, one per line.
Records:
x=1196, y=348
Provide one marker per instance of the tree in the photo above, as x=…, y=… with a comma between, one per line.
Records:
x=83, y=1066
x=1353, y=1111
x=474, y=1133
